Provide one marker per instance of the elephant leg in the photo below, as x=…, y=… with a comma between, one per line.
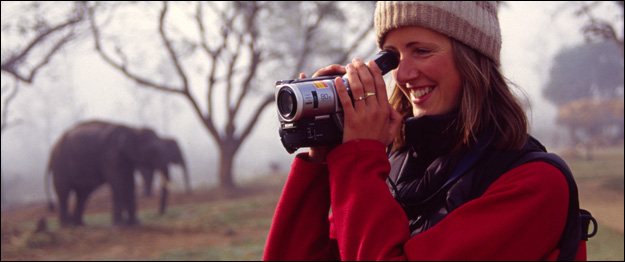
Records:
x=82, y=195
x=164, y=191
x=124, y=202
x=130, y=201
x=118, y=204
x=148, y=178
x=187, y=183
x=64, y=218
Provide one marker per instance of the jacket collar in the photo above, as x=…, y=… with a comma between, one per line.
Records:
x=432, y=135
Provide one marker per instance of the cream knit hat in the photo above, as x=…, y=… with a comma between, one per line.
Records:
x=473, y=23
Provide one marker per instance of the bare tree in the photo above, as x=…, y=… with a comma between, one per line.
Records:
x=35, y=41
x=11, y=92
x=44, y=39
x=600, y=28
x=231, y=44
x=30, y=39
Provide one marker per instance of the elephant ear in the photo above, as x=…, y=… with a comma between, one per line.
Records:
x=126, y=142
x=151, y=151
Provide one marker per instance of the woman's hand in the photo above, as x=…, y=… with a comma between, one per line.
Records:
x=370, y=116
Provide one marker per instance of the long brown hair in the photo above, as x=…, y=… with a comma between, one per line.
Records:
x=487, y=101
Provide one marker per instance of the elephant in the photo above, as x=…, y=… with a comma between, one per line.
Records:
x=97, y=152
x=173, y=155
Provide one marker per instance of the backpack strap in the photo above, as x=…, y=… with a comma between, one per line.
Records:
x=578, y=220
x=586, y=219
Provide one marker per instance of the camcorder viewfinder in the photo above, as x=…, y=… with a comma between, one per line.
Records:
x=309, y=109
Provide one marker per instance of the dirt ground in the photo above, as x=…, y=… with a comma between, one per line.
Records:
x=146, y=242
x=143, y=242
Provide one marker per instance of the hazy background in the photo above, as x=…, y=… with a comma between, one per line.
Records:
x=77, y=85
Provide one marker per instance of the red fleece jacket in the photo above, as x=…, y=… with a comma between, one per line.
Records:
x=520, y=217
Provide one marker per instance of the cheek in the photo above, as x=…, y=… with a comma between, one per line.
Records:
x=396, y=85
x=450, y=84
x=449, y=77
x=441, y=69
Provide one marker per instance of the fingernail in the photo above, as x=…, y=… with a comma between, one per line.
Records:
x=373, y=64
x=357, y=60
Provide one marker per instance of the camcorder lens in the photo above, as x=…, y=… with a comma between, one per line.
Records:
x=287, y=104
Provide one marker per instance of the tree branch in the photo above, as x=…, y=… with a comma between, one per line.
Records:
x=172, y=53
x=597, y=27
x=346, y=55
x=308, y=35
x=122, y=66
x=254, y=61
x=12, y=64
x=5, y=114
x=248, y=129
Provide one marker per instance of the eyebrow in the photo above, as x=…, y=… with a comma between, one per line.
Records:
x=409, y=44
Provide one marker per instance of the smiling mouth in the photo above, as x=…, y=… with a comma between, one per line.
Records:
x=421, y=91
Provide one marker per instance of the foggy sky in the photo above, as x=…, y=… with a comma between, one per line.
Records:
x=532, y=35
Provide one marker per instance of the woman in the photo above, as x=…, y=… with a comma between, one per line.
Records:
x=462, y=183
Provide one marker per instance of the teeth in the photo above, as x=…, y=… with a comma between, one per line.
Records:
x=421, y=92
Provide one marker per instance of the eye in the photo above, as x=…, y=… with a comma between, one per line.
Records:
x=422, y=51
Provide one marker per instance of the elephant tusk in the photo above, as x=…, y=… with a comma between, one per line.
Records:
x=164, y=180
x=165, y=183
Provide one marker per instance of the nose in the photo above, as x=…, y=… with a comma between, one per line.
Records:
x=406, y=70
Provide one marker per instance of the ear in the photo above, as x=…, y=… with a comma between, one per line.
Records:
x=126, y=143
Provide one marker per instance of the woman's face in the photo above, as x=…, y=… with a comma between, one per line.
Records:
x=427, y=74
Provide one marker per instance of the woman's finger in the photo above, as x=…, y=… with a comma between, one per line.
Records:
x=346, y=102
x=334, y=69
x=355, y=86
x=367, y=81
x=380, y=84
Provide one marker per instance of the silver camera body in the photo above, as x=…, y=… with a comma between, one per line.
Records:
x=309, y=110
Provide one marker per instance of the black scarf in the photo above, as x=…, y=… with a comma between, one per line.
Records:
x=421, y=168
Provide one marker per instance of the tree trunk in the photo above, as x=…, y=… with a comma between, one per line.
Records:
x=226, y=159
x=2, y=190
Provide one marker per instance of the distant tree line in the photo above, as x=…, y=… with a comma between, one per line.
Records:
x=586, y=81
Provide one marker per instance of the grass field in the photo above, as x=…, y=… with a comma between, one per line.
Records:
x=213, y=225
x=604, y=199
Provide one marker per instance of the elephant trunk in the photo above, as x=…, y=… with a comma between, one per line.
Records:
x=187, y=183
x=51, y=206
x=164, y=193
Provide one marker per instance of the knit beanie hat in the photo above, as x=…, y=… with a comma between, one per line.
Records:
x=474, y=23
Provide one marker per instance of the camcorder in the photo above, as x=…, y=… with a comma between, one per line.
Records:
x=309, y=110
